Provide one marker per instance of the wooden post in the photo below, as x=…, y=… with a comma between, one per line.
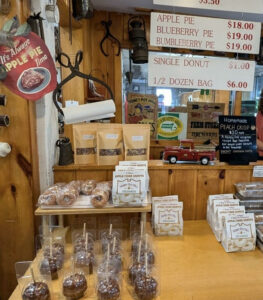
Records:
x=238, y=103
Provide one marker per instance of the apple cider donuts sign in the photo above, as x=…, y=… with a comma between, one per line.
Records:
x=31, y=71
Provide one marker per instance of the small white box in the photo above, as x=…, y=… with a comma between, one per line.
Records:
x=168, y=219
x=239, y=233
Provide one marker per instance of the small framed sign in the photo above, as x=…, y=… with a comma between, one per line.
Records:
x=237, y=139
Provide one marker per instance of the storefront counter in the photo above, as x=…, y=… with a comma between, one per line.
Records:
x=192, y=182
x=194, y=267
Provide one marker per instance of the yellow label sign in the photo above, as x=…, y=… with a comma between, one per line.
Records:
x=169, y=127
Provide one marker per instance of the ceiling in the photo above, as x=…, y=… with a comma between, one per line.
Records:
x=128, y=6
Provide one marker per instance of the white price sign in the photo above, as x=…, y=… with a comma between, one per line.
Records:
x=169, y=70
x=258, y=171
x=245, y=6
x=191, y=32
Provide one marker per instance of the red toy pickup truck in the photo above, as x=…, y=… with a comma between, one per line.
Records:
x=186, y=151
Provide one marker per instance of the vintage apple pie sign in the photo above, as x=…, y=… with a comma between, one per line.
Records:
x=31, y=71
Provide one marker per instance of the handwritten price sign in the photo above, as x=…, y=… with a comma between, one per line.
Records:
x=200, y=73
x=244, y=6
x=191, y=32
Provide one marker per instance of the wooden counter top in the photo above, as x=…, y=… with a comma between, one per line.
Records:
x=159, y=164
x=91, y=211
x=196, y=267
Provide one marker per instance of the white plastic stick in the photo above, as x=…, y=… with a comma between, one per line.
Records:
x=110, y=229
x=32, y=274
x=146, y=263
x=86, y=241
x=114, y=244
x=141, y=228
x=107, y=263
x=139, y=250
x=50, y=246
x=84, y=230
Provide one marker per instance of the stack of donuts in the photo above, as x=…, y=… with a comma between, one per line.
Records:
x=63, y=194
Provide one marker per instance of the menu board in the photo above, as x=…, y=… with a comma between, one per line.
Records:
x=192, y=32
x=244, y=6
x=203, y=120
x=237, y=139
x=213, y=73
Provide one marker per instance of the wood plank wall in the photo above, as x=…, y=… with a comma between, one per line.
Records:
x=18, y=179
x=88, y=38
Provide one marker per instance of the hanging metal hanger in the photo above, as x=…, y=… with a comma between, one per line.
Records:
x=65, y=61
x=108, y=35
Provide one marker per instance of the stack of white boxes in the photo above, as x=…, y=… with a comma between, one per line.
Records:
x=130, y=185
x=231, y=225
x=167, y=215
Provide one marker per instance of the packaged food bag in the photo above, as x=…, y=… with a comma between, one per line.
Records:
x=109, y=144
x=85, y=140
x=136, y=141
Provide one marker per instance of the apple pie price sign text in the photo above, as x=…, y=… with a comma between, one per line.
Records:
x=168, y=70
x=191, y=32
x=244, y=6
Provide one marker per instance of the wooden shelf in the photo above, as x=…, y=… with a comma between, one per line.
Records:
x=159, y=164
x=90, y=211
x=64, y=15
x=194, y=266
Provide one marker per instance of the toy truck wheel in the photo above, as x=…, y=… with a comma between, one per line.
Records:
x=172, y=159
x=204, y=160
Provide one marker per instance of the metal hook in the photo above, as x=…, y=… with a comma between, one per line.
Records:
x=108, y=35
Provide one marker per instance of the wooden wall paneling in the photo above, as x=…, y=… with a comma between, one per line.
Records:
x=159, y=182
x=208, y=183
x=74, y=89
x=87, y=48
x=118, y=89
x=185, y=188
x=223, y=97
x=99, y=61
x=99, y=175
x=234, y=176
x=114, y=69
x=64, y=176
x=238, y=104
x=126, y=43
x=109, y=175
x=17, y=180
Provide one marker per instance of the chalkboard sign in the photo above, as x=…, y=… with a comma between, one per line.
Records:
x=237, y=139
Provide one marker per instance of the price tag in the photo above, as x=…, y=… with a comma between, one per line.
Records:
x=191, y=32
x=245, y=6
x=258, y=171
x=170, y=70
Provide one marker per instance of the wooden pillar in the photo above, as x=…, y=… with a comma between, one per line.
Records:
x=238, y=103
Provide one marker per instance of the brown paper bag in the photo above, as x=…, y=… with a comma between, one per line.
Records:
x=109, y=144
x=84, y=137
x=136, y=141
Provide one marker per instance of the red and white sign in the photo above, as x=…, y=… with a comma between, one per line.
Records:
x=176, y=71
x=31, y=72
x=191, y=32
x=245, y=6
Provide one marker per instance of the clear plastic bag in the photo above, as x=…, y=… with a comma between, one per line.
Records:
x=108, y=287
x=31, y=282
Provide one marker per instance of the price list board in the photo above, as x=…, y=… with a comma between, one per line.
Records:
x=191, y=32
x=245, y=6
x=170, y=70
x=237, y=139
